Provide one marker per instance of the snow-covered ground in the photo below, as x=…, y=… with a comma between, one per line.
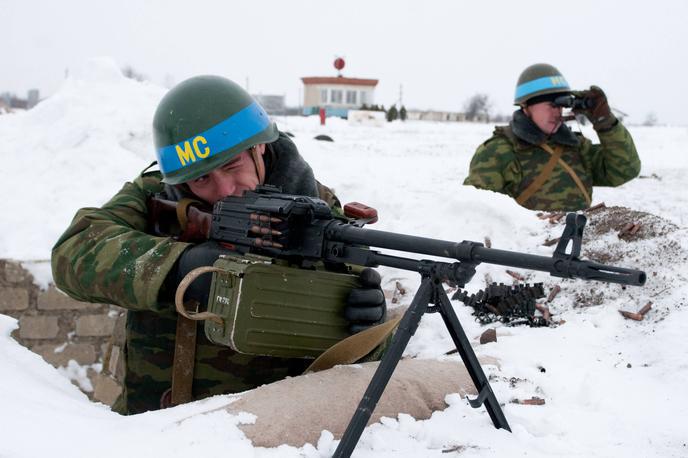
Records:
x=612, y=387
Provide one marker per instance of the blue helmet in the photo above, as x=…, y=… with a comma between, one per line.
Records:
x=539, y=79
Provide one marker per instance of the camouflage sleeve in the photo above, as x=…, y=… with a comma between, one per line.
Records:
x=105, y=255
x=328, y=195
x=494, y=167
x=615, y=160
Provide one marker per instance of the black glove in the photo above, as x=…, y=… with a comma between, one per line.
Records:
x=204, y=254
x=365, y=306
x=599, y=113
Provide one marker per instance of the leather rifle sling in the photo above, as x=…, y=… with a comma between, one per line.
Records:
x=544, y=175
x=354, y=347
x=183, y=363
x=185, y=339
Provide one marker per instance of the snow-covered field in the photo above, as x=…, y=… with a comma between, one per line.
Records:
x=612, y=387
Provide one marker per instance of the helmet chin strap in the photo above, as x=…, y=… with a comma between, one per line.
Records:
x=257, y=155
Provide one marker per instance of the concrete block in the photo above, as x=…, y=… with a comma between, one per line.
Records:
x=54, y=299
x=15, y=273
x=12, y=298
x=38, y=327
x=95, y=325
x=119, y=332
x=106, y=389
x=82, y=353
x=116, y=363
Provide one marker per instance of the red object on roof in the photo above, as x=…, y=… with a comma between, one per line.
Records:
x=338, y=80
x=339, y=63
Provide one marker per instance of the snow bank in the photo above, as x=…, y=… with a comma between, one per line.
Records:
x=612, y=387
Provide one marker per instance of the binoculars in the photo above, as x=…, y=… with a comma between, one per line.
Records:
x=573, y=102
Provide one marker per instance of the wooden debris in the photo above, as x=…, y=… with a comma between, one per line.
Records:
x=646, y=308
x=631, y=315
x=515, y=275
x=534, y=401
x=488, y=242
x=628, y=230
x=488, y=336
x=627, y=227
x=457, y=449
x=550, y=242
x=399, y=291
x=594, y=208
x=555, y=217
x=654, y=176
x=553, y=293
x=545, y=312
x=639, y=315
x=552, y=217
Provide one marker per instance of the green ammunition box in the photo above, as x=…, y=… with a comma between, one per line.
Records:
x=277, y=310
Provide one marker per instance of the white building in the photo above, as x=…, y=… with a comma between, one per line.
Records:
x=336, y=94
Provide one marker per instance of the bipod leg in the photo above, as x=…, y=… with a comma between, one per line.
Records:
x=485, y=394
x=407, y=327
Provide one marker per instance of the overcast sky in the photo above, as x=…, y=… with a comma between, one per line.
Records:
x=440, y=52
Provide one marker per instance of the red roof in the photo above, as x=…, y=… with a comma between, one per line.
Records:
x=338, y=80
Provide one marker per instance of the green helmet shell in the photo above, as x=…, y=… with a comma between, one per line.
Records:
x=539, y=79
x=202, y=123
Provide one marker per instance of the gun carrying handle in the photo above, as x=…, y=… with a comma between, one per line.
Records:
x=181, y=289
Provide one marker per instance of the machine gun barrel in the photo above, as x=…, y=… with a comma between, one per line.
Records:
x=559, y=265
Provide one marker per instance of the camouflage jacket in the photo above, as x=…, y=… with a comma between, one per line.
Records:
x=511, y=159
x=107, y=256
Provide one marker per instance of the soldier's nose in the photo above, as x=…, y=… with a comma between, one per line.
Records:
x=226, y=187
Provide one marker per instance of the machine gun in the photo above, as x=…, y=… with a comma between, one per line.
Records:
x=303, y=231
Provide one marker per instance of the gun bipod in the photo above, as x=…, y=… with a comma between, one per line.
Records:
x=430, y=291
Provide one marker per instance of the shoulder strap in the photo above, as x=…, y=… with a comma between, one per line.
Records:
x=185, y=339
x=555, y=158
x=545, y=173
x=354, y=347
x=572, y=173
x=183, y=362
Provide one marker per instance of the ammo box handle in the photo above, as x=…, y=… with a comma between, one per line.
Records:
x=181, y=289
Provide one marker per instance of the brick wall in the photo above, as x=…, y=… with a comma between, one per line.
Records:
x=61, y=329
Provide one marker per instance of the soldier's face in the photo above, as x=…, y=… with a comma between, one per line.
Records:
x=545, y=115
x=230, y=179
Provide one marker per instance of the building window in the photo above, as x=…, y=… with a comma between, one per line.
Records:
x=336, y=96
x=323, y=96
x=351, y=97
x=364, y=98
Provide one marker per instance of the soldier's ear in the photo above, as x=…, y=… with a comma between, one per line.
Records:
x=525, y=110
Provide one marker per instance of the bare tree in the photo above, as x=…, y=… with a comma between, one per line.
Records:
x=650, y=119
x=130, y=72
x=477, y=108
x=500, y=118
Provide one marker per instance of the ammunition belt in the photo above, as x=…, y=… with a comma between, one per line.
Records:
x=510, y=304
